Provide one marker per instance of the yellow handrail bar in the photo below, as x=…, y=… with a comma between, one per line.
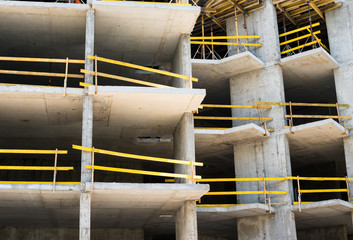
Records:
x=51, y=60
x=232, y=118
x=232, y=106
x=135, y=156
x=228, y=44
x=142, y=68
x=299, y=29
x=302, y=104
x=224, y=37
x=31, y=151
x=36, y=168
x=134, y=171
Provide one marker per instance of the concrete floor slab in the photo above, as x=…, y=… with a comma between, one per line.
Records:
x=306, y=71
x=151, y=111
x=209, y=141
x=221, y=221
x=143, y=33
x=215, y=74
x=324, y=214
x=316, y=141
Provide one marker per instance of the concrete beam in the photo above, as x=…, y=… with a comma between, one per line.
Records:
x=186, y=222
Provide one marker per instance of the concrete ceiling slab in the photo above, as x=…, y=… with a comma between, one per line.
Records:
x=149, y=111
x=131, y=205
x=318, y=141
x=324, y=214
x=35, y=112
x=306, y=71
x=33, y=205
x=210, y=141
x=143, y=33
x=38, y=29
x=215, y=74
x=216, y=220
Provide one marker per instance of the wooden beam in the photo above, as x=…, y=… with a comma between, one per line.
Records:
x=316, y=9
x=286, y=14
x=216, y=21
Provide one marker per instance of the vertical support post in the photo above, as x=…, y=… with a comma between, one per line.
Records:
x=236, y=28
x=245, y=27
x=264, y=189
x=95, y=74
x=299, y=195
x=291, y=117
x=92, y=171
x=311, y=25
x=55, y=164
x=212, y=42
x=66, y=72
x=348, y=192
x=203, y=37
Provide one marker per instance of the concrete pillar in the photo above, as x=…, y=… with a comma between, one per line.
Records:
x=181, y=62
x=326, y=233
x=269, y=157
x=87, y=130
x=85, y=215
x=186, y=222
x=340, y=33
x=184, y=146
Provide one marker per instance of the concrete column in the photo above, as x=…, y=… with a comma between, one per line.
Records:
x=340, y=33
x=269, y=157
x=87, y=129
x=186, y=222
x=181, y=62
x=85, y=216
x=184, y=146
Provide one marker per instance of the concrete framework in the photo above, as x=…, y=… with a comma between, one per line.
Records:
x=159, y=122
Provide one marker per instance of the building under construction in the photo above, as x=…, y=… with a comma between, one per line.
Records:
x=178, y=119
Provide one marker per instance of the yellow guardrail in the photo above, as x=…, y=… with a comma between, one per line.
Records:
x=94, y=167
x=321, y=179
x=313, y=36
x=200, y=40
x=266, y=192
x=65, y=75
x=291, y=116
x=54, y=168
x=258, y=107
x=130, y=65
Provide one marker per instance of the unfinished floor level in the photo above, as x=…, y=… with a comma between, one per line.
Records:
x=186, y=120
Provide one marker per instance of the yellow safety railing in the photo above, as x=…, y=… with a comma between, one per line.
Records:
x=131, y=80
x=54, y=168
x=298, y=39
x=65, y=75
x=301, y=191
x=94, y=167
x=264, y=192
x=258, y=107
x=231, y=41
x=291, y=116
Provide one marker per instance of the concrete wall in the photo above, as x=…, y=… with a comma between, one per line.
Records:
x=327, y=233
x=11, y=233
